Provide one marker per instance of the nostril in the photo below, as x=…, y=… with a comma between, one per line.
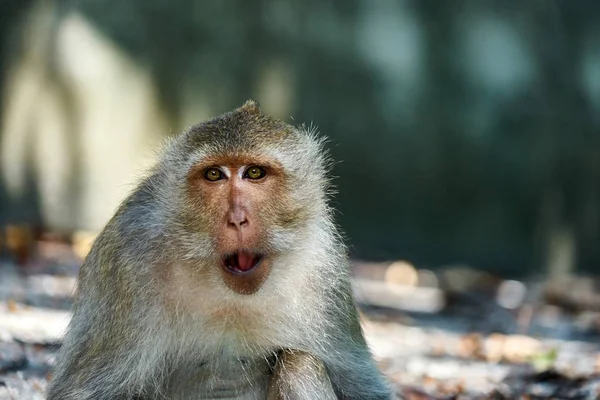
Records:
x=237, y=224
x=237, y=220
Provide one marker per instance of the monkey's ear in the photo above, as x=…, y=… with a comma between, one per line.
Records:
x=251, y=107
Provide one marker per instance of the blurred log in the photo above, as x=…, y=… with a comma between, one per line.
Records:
x=406, y=298
x=32, y=325
x=574, y=294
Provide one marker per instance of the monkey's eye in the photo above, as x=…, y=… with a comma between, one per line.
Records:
x=213, y=174
x=254, y=172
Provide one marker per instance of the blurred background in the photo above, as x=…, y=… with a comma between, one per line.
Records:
x=466, y=133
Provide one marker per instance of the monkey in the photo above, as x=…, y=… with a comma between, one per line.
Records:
x=222, y=275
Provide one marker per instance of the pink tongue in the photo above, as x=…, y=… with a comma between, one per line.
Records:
x=245, y=261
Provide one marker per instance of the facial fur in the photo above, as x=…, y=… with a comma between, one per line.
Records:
x=274, y=211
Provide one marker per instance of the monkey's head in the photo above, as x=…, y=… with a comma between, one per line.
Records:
x=252, y=188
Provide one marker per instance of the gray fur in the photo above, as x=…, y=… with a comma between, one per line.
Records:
x=124, y=343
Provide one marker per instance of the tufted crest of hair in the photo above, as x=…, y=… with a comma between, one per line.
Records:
x=149, y=305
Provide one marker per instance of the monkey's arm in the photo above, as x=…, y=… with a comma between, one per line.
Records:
x=349, y=362
x=99, y=357
x=357, y=377
x=346, y=375
x=300, y=376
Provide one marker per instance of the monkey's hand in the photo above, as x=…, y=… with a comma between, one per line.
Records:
x=300, y=376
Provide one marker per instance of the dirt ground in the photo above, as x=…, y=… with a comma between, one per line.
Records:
x=480, y=338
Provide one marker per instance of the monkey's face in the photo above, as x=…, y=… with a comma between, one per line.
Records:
x=254, y=186
x=241, y=201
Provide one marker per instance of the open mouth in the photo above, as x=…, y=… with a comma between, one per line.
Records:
x=241, y=262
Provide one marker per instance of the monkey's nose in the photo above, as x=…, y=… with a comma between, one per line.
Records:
x=237, y=219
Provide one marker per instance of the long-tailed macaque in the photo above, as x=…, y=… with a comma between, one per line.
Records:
x=221, y=276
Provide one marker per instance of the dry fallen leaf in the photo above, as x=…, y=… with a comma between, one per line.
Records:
x=12, y=306
x=520, y=348
x=494, y=347
x=470, y=346
x=82, y=243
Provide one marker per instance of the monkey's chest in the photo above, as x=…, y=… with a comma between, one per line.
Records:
x=224, y=377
